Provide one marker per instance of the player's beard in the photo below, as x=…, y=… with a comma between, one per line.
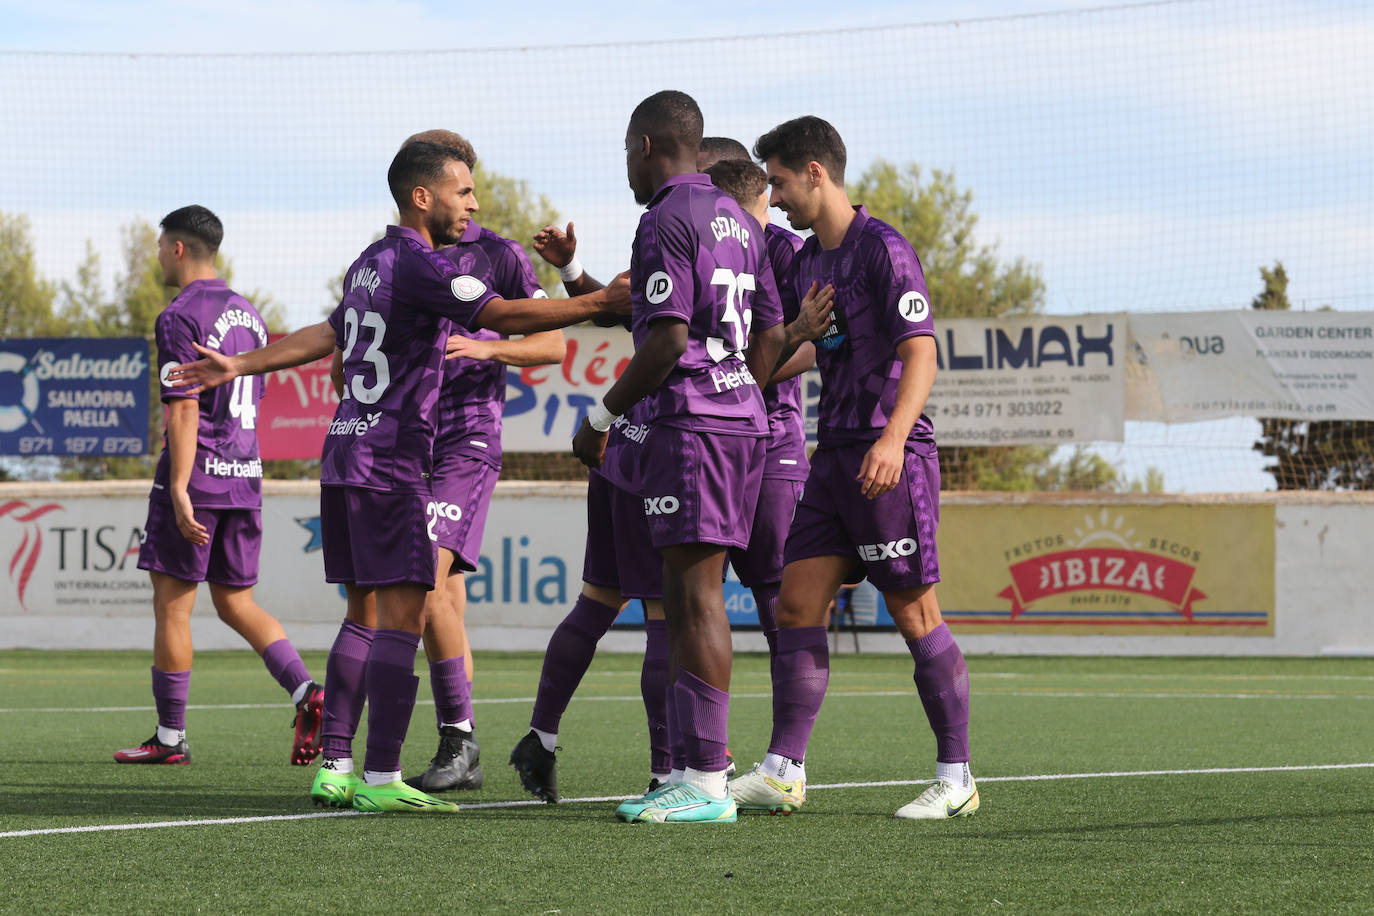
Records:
x=447, y=233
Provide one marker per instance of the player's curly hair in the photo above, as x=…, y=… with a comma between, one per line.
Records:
x=671, y=120
x=454, y=141
x=802, y=140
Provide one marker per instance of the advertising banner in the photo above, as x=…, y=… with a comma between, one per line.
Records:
x=1179, y=569
x=1043, y=380
x=297, y=407
x=1295, y=365
x=546, y=404
x=74, y=396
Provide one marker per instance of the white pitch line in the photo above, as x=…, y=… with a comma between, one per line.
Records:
x=602, y=799
x=766, y=695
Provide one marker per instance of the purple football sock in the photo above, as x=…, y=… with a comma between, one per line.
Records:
x=766, y=598
x=942, y=682
x=653, y=686
x=345, y=683
x=677, y=747
x=391, y=689
x=170, y=690
x=567, y=658
x=448, y=678
x=703, y=714
x=284, y=664
x=801, y=672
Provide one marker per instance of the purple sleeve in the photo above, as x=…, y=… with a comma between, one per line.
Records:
x=663, y=269
x=767, y=302
x=429, y=281
x=514, y=275
x=899, y=288
x=175, y=334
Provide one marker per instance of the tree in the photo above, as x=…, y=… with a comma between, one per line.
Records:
x=26, y=299
x=509, y=209
x=966, y=279
x=1312, y=454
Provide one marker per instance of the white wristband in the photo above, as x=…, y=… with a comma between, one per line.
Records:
x=600, y=418
x=570, y=271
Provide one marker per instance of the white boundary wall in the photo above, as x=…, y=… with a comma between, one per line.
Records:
x=78, y=543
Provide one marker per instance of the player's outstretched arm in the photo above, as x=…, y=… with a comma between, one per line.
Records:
x=812, y=321
x=215, y=369
x=654, y=359
x=546, y=348
x=183, y=427
x=559, y=248
x=526, y=316
x=882, y=465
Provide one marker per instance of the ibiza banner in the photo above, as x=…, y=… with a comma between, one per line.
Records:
x=74, y=396
x=1201, y=569
x=1294, y=365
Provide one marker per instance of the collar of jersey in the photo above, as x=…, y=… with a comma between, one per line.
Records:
x=405, y=232
x=694, y=178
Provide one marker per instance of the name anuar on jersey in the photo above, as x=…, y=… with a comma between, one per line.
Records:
x=727, y=227
x=237, y=318
x=367, y=278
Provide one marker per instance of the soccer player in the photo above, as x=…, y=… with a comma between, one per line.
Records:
x=205, y=511
x=467, y=462
x=619, y=564
x=706, y=325
x=376, y=501
x=871, y=501
x=759, y=566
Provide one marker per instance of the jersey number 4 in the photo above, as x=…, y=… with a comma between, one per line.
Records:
x=242, y=407
x=356, y=387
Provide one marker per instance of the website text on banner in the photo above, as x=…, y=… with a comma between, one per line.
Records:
x=1291, y=365
x=73, y=396
x=1029, y=381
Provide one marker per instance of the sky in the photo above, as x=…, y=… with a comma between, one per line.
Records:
x=1143, y=156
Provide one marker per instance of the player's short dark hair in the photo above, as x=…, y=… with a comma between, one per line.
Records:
x=740, y=178
x=671, y=120
x=717, y=149
x=417, y=164
x=802, y=140
x=454, y=141
x=196, y=228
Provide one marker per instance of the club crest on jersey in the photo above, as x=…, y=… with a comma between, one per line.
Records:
x=467, y=288
x=913, y=307
x=658, y=287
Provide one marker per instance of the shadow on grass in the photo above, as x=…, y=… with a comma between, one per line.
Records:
x=105, y=800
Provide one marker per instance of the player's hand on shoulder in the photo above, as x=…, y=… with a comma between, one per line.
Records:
x=185, y=513
x=589, y=445
x=814, y=317
x=213, y=370
x=555, y=245
x=467, y=348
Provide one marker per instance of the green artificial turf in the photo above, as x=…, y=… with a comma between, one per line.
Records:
x=1266, y=841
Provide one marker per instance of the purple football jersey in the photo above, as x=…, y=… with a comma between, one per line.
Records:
x=699, y=258
x=228, y=472
x=880, y=300
x=786, y=459
x=472, y=396
x=400, y=301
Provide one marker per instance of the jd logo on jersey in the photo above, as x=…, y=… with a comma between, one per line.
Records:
x=913, y=307
x=658, y=287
